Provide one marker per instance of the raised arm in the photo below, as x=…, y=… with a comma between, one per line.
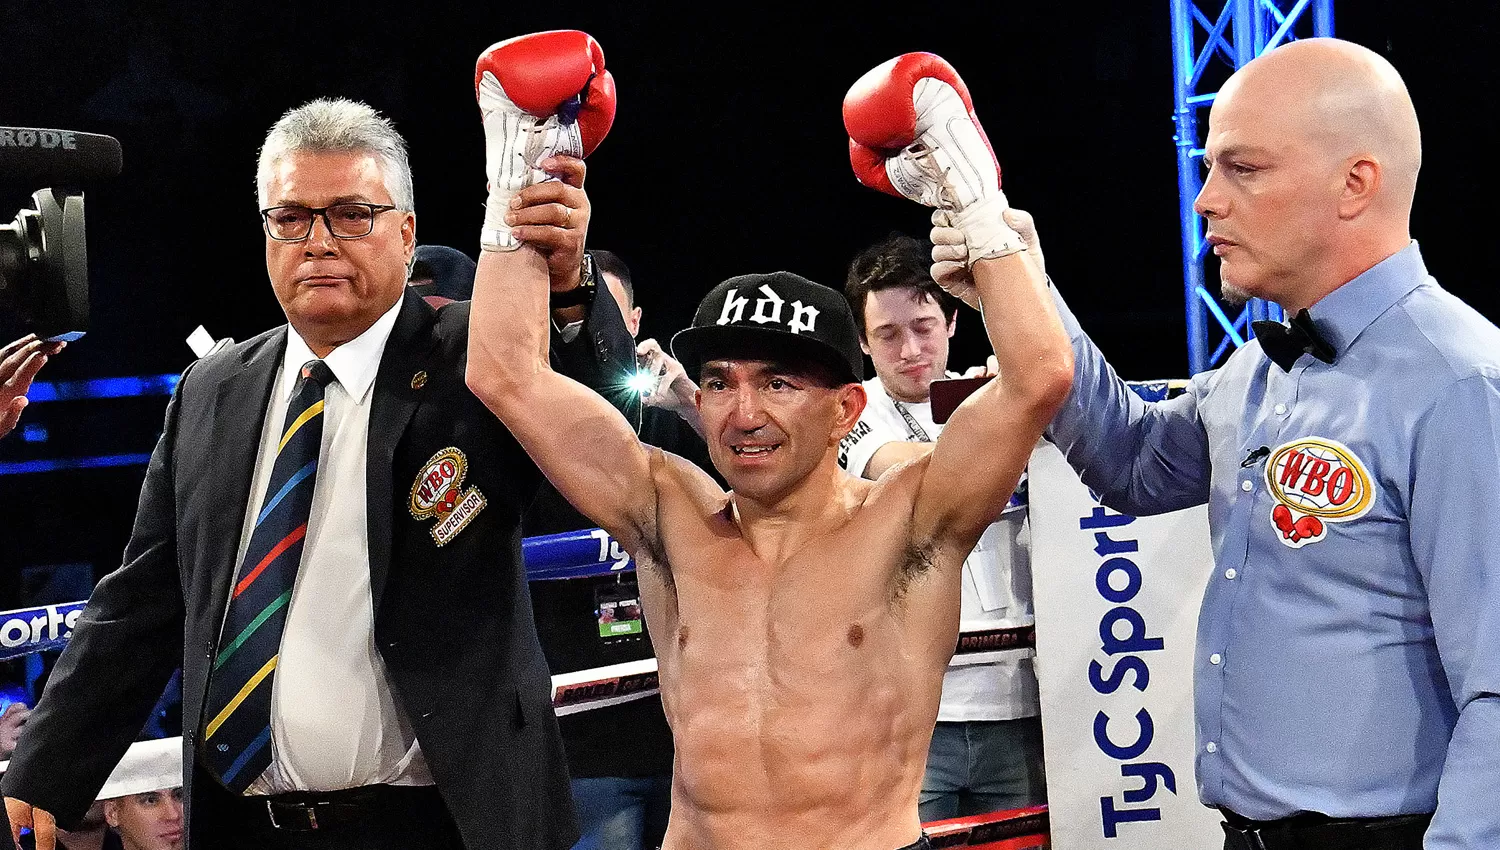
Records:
x=581, y=442
x=913, y=133
x=1141, y=457
x=984, y=448
x=547, y=100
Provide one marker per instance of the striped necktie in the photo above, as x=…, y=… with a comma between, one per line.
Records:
x=237, y=732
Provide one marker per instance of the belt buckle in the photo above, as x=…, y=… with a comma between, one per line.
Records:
x=1242, y=837
x=309, y=810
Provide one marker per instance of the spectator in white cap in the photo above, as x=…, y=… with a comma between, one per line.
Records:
x=142, y=801
x=143, y=797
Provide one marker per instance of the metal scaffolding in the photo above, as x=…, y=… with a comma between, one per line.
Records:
x=1242, y=30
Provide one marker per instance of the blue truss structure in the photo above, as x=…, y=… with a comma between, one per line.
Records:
x=1242, y=30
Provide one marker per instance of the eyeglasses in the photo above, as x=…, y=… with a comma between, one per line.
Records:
x=293, y=223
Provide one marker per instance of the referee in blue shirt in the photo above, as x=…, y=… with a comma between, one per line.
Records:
x=1347, y=674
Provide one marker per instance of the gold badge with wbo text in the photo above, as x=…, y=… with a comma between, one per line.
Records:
x=438, y=494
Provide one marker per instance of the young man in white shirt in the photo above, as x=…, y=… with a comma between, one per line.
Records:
x=986, y=752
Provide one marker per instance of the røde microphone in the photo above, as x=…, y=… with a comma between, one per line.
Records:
x=33, y=156
x=43, y=254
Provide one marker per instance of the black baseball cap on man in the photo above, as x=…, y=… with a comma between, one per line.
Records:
x=777, y=316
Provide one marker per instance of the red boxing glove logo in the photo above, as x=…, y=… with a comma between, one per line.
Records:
x=1306, y=529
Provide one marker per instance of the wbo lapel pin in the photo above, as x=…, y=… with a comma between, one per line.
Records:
x=438, y=494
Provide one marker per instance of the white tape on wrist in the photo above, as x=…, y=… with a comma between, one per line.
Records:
x=985, y=232
x=515, y=143
x=496, y=235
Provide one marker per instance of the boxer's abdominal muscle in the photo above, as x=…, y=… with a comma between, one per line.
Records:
x=796, y=702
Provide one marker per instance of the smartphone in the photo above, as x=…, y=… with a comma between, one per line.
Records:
x=946, y=394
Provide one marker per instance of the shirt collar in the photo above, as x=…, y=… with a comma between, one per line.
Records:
x=1343, y=314
x=354, y=363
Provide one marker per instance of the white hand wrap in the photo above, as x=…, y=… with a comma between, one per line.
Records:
x=515, y=141
x=951, y=168
x=985, y=231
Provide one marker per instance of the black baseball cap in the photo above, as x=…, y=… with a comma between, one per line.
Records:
x=776, y=316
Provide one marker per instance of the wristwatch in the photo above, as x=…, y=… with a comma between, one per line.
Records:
x=583, y=293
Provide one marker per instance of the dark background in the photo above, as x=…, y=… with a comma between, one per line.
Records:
x=727, y=156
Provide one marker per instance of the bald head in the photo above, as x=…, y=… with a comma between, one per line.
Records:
x=1347, y=100
x=1313, y=151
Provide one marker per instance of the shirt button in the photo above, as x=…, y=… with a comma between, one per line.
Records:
x=1246, y=486
x=1215, y=658
x=1231, y=573
x=1211, y=747
x=1280, y=410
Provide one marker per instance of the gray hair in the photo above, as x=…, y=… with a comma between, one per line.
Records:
x=337, y=125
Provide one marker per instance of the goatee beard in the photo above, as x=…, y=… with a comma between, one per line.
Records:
x=1233, y=295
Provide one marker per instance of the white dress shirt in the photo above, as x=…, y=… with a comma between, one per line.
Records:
x=335, y=720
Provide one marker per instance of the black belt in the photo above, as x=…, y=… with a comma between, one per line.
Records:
x=1312, y=831
x=331, y=810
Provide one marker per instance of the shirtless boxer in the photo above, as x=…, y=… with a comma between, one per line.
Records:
x=803, y=620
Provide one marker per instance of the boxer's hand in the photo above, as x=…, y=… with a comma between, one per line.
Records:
x=539, y=95
x=913, y=133
x=674, y=390
x=553, y=217
x=19, y=362
x=950, y=253
x=40, y=821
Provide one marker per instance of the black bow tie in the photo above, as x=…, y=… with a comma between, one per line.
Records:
x=1285, y=344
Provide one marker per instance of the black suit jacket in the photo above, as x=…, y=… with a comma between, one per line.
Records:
x=453, y=624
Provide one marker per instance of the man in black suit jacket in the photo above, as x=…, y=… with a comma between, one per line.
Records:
x=422, y=624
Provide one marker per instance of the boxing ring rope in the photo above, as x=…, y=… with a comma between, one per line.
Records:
x=1013, y=829
x=569, y=555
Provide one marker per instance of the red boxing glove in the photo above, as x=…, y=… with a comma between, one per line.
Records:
x=913, y=133
x=540, y=94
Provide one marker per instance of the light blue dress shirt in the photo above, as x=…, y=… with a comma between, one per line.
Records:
x=1348, y=656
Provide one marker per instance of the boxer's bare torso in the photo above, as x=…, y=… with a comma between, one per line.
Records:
x=801, y=663
x=803, y=623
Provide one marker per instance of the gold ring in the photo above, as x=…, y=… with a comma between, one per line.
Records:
x=567, y=217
